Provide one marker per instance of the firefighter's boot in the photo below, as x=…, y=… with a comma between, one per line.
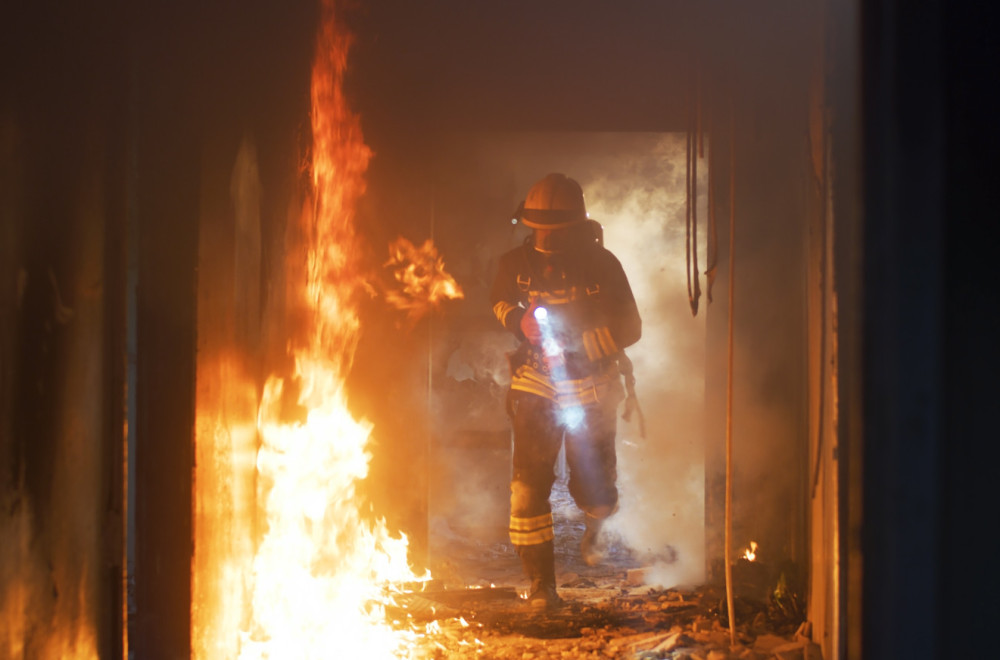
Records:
x=539, y=565
x=590, y=553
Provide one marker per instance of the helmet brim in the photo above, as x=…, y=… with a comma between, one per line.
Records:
x=551, y=218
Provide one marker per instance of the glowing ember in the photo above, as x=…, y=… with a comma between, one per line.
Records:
x=321, y=574
x=750, y=554
x=420, y=276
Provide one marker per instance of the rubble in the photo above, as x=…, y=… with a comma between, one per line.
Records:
x=610, y=611
x=606, y=620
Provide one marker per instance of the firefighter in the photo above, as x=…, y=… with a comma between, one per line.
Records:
x=568, y=301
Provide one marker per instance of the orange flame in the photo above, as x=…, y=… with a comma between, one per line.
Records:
x=750, y=554
x=321, y=574
x=421, y=278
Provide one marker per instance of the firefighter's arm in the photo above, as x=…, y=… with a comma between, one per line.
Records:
x=623, y=325
x=626, y=325
x=505, y=298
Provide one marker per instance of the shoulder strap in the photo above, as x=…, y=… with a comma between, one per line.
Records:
x=524, y=284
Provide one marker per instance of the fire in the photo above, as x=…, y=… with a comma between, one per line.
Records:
x=750, y=554
x=321, y=574
x=421, y=278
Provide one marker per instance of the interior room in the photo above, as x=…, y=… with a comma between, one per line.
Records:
x=254, y=393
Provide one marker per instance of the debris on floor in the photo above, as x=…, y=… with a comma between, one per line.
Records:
x=606, y=620
x=473, y=606
x=473, y=609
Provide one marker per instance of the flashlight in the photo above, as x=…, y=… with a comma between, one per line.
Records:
x=571, y=415
x=549, y=343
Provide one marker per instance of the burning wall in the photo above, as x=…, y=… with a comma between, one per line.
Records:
x=287, y=561
x=61, y=334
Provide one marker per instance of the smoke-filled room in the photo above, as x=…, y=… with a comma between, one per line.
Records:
x=373, y=329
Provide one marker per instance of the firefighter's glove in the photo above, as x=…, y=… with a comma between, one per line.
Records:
x=530, y=327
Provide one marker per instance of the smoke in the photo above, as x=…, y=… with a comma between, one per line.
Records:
x=470, y=484
x=640, y=199
x=482, y=360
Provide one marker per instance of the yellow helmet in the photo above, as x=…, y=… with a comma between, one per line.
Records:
x=553, y=203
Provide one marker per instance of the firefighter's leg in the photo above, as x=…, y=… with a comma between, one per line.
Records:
x=536, y=446
x=538, y=562
x=591, y=551
x=590, y=454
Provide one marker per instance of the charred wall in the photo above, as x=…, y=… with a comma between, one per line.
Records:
x=221, y=119
x=62, y=355
x=113, y=120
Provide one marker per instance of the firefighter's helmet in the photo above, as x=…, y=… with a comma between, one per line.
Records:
x=554, y=202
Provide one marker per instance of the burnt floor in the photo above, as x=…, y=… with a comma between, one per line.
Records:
x=475, y=609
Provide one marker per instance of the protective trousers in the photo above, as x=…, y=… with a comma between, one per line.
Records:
x=539, y=432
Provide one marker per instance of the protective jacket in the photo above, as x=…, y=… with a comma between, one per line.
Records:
x=592, y=316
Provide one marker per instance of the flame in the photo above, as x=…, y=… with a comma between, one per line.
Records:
x=750, y=554
x=421, y=278
x=322, y=575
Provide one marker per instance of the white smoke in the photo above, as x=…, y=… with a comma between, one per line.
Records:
x=639, y=197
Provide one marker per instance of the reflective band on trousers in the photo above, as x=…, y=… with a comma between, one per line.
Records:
x=531, y=531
